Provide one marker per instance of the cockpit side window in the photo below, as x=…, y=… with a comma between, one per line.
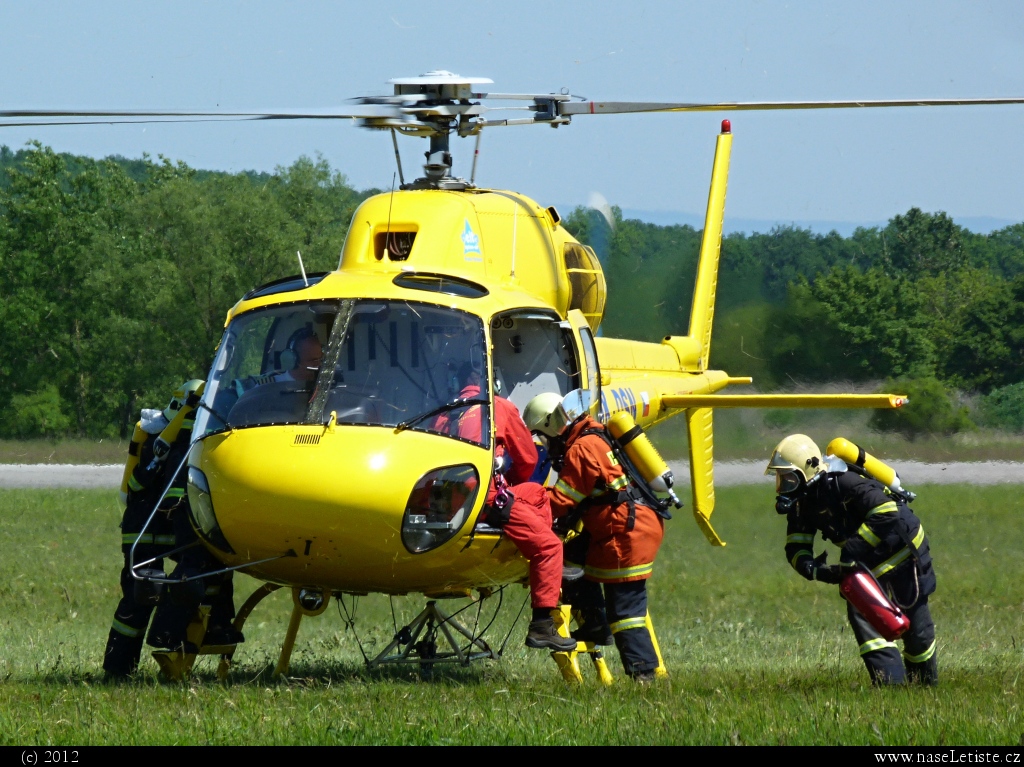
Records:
x=532, y=354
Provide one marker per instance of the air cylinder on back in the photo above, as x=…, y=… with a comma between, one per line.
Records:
x=642, y=454
x=134, y=448
x=852, y=454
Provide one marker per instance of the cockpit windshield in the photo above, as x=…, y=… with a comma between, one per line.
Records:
x=404, y=364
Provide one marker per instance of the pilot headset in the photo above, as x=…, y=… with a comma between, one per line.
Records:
x=290, y=355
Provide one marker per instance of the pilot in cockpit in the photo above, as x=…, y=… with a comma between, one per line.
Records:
x=305, y=354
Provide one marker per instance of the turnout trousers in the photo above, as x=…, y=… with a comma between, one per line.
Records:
x=124, y=642
x=179, y=606
x=623, y=606
x=918, y=663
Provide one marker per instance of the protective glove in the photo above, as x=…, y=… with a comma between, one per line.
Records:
x=784, y=504
x=825, y=573
x=807, y=567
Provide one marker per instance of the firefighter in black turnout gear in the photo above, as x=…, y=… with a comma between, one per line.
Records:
x=160, y=442
x=874, y=526
x=177, y=610
x=175, y=613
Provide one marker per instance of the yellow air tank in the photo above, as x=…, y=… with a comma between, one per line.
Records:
x=642, y=454
x=852, y=454
x=170, y=432
x=134, y=448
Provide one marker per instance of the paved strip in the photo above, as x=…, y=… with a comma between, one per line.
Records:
x=727, y=473
x=42, y=475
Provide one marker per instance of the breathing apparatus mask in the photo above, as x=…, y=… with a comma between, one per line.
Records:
x=797, y=465
x=788, y=482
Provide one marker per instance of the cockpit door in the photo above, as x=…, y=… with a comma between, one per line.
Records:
x=586, y=353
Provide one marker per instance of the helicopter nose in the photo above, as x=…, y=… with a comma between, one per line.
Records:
x=356, y=504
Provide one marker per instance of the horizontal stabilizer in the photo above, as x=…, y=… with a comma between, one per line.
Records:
x=784, y=400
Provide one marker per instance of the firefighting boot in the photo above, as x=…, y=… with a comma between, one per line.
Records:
x=926, y=673
x=593, y=627
x=542, y=635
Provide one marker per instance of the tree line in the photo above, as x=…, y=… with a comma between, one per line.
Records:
x=116, y=274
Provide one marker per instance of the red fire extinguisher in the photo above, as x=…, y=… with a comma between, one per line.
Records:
x=861, y=590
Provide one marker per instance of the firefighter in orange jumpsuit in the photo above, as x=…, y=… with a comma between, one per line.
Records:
x=621, y=538
x=520, y=508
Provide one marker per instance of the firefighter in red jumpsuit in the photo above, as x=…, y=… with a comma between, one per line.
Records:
x=519, y=507
x=621, y=538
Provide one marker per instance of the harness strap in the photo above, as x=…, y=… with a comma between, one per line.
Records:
x=633, y=493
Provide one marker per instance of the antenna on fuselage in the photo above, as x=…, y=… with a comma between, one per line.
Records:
x=515, y=222
x=302, y=269
x=391, y=202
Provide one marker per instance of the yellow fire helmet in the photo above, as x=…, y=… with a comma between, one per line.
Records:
x=796, y=460
x=544, y=413
x=180, y=397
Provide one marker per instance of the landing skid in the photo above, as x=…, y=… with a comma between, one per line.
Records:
x=432, y=637
x=419, y=638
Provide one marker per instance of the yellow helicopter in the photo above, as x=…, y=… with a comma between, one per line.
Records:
x=318, y=463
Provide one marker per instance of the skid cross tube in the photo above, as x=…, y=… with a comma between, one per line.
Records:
x=429, y=621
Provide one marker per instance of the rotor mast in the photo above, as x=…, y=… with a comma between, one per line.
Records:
x=440, y=102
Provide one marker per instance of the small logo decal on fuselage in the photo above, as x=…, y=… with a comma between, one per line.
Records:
x=471, y=244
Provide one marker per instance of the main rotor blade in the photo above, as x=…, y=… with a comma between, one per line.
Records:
x=405, y=111
x=629, y=107
x=353, y=111
x=38, y=123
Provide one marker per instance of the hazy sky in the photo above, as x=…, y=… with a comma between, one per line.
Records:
x=860, y=166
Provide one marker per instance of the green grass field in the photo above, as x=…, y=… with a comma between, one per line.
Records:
x=756, y=654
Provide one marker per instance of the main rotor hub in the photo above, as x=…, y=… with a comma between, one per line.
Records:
x=440, y=97
x=439, y=85
x=436, y=104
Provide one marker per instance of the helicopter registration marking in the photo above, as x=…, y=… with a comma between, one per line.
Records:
x=624, y=399
x=470, y=243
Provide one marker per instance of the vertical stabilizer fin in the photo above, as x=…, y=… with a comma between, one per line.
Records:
x=694, y=348
x=699, y=428
x=702, y=312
